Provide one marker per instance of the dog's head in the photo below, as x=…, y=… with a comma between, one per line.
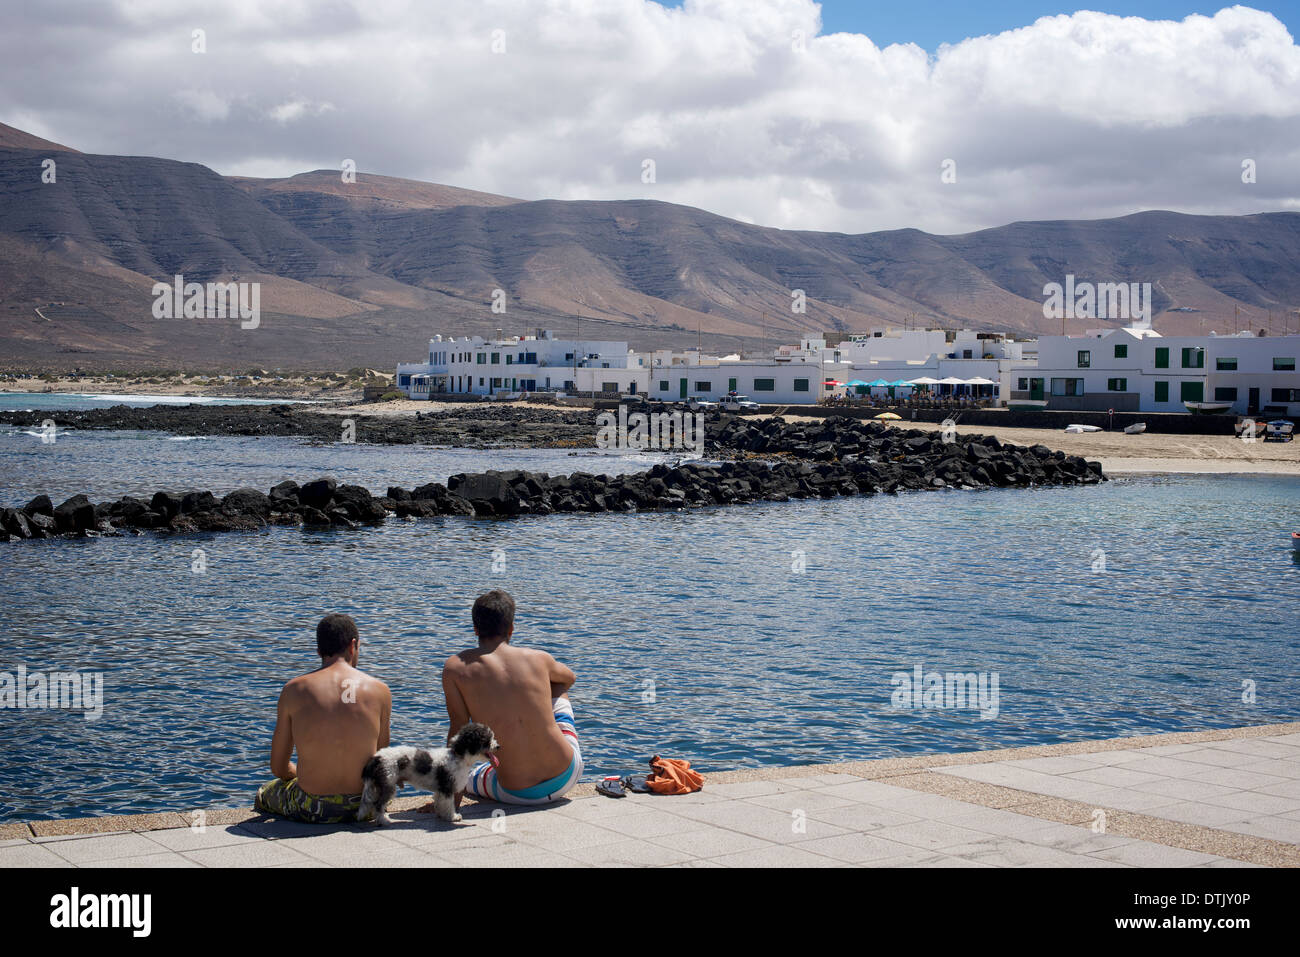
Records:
x=474, y=743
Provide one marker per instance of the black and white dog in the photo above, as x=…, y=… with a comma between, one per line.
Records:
x=444, y=771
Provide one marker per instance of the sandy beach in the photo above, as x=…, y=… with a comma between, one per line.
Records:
x=1158, y=452
x=1148, y=452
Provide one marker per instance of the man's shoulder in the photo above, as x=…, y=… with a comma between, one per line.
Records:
x=459, y=660
x=370, y=682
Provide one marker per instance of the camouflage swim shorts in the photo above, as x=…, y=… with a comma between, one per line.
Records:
x=288, y=800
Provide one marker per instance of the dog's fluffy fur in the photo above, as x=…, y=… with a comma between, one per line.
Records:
x=444, y=771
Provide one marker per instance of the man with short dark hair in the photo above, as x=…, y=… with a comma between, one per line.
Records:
x=336, y=717
x=522, y=695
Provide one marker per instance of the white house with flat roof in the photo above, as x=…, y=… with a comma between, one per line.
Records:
x=473, y=365
x=794, y=375
x=1136, y=369
x=902, y=354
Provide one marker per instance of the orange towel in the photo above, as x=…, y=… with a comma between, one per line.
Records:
x=673, y=776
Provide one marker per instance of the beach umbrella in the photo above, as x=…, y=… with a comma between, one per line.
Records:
x=980, y=380
x=881, y=382
x=924, y=380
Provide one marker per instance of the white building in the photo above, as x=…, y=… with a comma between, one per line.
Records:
x=902, y=354
x=472, y=365
x=1138, y=370
x=794, y=374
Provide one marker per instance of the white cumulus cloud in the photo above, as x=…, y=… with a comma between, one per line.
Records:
x=746, y=107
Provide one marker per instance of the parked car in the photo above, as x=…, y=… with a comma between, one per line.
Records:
x=700, y=405
x=739, y=403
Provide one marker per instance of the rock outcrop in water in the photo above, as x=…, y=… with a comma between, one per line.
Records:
x=771, y=460
x=471, y=425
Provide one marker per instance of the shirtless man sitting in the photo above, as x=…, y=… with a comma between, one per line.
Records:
x=522, y=695
x=337, y=717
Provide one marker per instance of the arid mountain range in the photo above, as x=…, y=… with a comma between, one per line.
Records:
x=362, y=273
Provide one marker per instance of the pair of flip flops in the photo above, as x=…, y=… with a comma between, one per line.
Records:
x=616, y=787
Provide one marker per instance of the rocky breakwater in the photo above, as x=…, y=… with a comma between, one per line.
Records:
x=771, y=460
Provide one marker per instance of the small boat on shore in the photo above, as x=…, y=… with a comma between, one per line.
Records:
x=1207, y=408
x=1137, y=428
x=1295, y=541
x=1076, y=429
x=1026, y=405
x=1281, y=429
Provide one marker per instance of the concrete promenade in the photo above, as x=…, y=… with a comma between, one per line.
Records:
x=1227, y=798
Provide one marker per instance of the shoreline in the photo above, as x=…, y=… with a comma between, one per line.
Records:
x=524, y=424
x=969, y=777
x=227, y=389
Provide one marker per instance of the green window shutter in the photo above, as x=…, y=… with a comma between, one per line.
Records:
x=1162, y=359
x=731, y=385
x=800, y=385
x=764, y=385
x=1121, y=352
x=1162, y=391
x=1191, y=391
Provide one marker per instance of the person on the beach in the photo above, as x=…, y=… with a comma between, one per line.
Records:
x=336, y=717
x=522, y=695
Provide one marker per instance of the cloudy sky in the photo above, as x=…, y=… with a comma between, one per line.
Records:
x=777, y=112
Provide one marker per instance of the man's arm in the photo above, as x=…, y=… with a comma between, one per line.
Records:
x=385, y=718
x=562, y=677
x=457, y=711
x=282, y=765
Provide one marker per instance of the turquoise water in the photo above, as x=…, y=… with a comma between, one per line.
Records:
x=692, y=633
x=71, y=401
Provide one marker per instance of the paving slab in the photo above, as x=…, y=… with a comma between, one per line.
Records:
x=192, y=839
x=103, y=849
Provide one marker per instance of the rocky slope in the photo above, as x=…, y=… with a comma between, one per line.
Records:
x=369, y=270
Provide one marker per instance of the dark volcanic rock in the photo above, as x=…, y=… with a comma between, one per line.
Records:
x=14, y=523
x=75, y=515
x=839, y=456
x=318, y=494
x=40, y=505
x=224, y=522
x=488, y=492
x=247, y=501
x=192, y=502
x=166, y=504
x=287, y=491
x=313, y=516
x=42, y=526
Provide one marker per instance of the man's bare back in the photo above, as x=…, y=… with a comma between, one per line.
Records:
x=336, y=717
x=511, y=690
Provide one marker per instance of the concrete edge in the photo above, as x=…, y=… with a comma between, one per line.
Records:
x=904, y=772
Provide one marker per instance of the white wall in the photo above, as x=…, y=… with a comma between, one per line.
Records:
x=1059, y=358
